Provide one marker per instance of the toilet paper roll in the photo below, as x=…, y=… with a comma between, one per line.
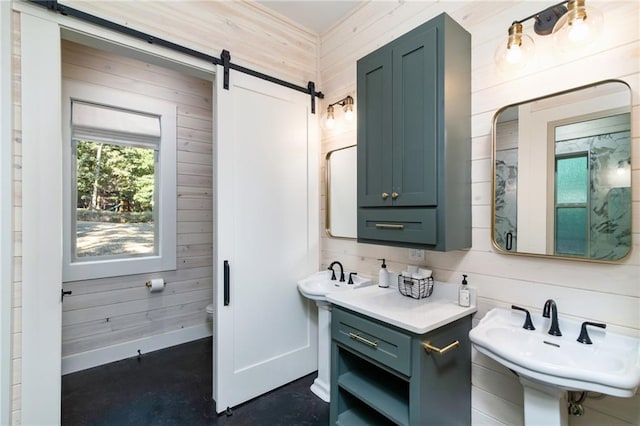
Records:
x=155, y=285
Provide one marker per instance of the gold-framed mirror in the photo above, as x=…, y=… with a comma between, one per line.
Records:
x=340, y=205
x=561, y=174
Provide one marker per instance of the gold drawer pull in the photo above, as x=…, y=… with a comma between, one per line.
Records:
x=384, y=195
x=429, y=347
x=389, y=225
x=394, y=195
x=361, y=339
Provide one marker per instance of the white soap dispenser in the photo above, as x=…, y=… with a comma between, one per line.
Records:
x=383, y=275
x=464, y=299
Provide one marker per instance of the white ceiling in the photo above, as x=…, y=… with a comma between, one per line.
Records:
x=316, y=15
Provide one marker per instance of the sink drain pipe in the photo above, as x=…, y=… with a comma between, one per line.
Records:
x=574, y=403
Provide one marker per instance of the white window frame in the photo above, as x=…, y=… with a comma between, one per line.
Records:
x=165, y=259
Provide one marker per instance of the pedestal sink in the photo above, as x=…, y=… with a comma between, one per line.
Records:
x=548, y=366
x=316, y=287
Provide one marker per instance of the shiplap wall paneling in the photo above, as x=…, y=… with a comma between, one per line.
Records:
x=110, y=311
x=255, y=36
x=608, y=293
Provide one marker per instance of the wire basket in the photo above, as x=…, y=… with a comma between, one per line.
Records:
x=417, y=288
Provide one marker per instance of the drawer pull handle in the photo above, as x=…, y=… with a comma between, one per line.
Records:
x=389, y=225
x=429, y=347
x=361, y=339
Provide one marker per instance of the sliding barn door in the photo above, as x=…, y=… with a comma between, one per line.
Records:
x=267, y=238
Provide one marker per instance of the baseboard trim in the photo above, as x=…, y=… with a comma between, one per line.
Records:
x=94, y=358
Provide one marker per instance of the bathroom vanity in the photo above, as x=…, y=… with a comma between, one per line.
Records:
x=400, y=360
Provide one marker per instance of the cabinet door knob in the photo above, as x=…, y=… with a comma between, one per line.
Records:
x=440, y=351
x=384, y=195
x=394, y=195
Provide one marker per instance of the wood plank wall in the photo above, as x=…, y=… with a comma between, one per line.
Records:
x=108, y=311
x=269, y=43
x=601, y=292
x=257, y=38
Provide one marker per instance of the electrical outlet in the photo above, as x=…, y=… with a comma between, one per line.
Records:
x=416, y=255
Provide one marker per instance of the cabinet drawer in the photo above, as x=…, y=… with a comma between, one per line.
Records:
x=380, y=343
x=405, y=225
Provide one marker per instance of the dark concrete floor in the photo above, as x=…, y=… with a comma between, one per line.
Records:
x=173, y=387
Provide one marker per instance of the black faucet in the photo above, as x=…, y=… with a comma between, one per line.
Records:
x=351, y=277
x=584, y=335
x=333, y=273
x=528, y=324
x=550, y=305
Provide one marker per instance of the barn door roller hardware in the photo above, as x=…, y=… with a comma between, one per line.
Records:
x=225, y=59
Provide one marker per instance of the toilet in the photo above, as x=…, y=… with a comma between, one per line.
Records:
x=210, y=312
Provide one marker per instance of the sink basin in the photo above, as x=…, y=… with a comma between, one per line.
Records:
x=611, y=365
x=318, y=285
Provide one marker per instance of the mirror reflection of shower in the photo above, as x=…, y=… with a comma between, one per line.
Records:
x=562, y=174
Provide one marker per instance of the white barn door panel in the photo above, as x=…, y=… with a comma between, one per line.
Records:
x=267, y=233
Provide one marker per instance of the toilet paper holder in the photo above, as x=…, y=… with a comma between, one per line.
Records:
x=155, y=285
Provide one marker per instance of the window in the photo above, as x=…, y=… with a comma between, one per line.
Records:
x=572, y=186
x=120, y=185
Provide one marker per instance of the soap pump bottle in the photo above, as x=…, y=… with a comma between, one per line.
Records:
x=383, y=275
x=464, y=298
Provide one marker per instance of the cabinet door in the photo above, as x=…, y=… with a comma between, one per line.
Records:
x=415, y=133
x=374, y=129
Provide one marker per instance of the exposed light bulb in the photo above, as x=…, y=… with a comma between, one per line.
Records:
x=348, y=108
x=330, y=118
x=331, y=122
x=578, y=31
x=348, y=114
x=516, y=52
x=579, y=28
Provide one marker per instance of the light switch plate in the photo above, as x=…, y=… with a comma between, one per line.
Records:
x=416, y=255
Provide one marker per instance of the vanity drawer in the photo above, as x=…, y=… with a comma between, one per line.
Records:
x=398, y=224
x=380, y=343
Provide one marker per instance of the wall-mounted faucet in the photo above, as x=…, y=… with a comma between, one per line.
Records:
x=333, y=273
x=550, y=308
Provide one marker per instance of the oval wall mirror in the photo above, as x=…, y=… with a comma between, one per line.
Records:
x=562, y=174
x=341, y=196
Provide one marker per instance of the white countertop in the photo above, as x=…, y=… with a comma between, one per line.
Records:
x=415, y=315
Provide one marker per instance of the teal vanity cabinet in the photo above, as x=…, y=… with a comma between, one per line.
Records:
x=414, y=139
x=381, y=374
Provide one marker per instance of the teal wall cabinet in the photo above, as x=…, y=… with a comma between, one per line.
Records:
x=382, y=375
x=414, y=139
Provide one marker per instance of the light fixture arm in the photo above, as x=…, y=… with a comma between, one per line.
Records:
x=347, y=100
x=537, y=14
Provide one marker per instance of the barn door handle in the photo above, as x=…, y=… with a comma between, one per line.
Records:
x=226, y=282
x=64, y=293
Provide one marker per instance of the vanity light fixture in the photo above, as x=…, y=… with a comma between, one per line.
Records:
x=573, y=25
x=347, y=104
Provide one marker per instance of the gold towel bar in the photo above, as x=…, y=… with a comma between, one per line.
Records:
x=429, y=347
